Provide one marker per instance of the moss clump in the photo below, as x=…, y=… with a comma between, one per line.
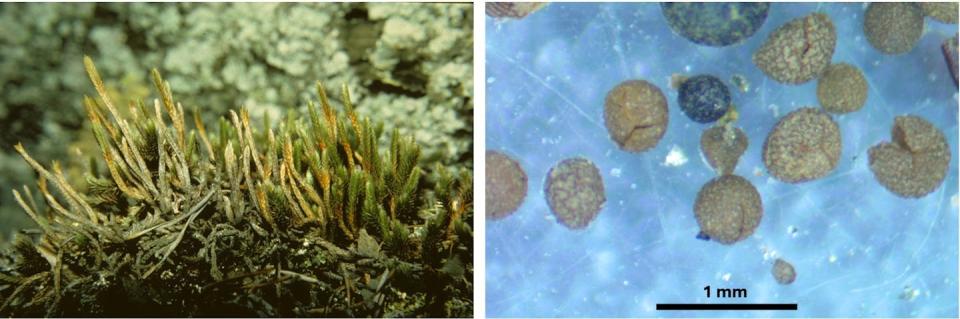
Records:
x=309, y=219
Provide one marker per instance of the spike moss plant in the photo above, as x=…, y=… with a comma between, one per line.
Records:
x=180, y=219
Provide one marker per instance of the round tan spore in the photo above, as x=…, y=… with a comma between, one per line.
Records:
x=799, y=50
x=842, y=89
x=635, y=114
x=945, y=12
x=893, y=27
x=506, y=185
x=783, y=272
x=722, y=146
x=728, y=209
x=803, y=146
x=916, y=162
x=575, y=192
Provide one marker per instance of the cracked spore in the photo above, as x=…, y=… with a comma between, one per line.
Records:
x=728, y=209
x=635, y=114
x=799, y=50
x=506, y=185
x=916, y=162
x=574, y=190
x=804, y=145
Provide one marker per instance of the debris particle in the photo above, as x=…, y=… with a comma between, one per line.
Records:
x=575, y=193
x=675, y=157
x=506, y=185
x=728, y=209
x=916, y=162
x=783, y=272
x=635, y=114
x=893, y=27
x=803, y=146
x=740, y=82
x=799, y=50
x=842, y=89
x=950, y=54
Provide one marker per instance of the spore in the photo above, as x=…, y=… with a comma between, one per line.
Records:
x=715, y=24
x=945, y=12
x=893, y=27
x=722, y=145
x=842, y=89
x=575, y=192
x=783, y=272
x=916, y=162
x=728, y=209
x=514, y=10
x=704, y=98
x=799, y=50
x=804, y=145
x=635, y=114
x=506, y=185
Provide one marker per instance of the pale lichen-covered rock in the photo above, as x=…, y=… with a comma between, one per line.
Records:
x=804, y=145
x=799, y=50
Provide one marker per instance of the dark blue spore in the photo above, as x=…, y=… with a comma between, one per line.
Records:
x=703, y=236
x=704, y=98
x=715, y=24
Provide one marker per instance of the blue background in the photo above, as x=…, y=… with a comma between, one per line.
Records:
x=858, y=249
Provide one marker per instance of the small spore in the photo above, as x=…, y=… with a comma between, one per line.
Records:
x=728, y=209
x=804, y=145
x=575, y=192
x=783, y=272
x=704, y=98
x=723, y=145
x=893, y=27
x=842, y=89
x=506, y=185
x=635, y=114
x=916, y=162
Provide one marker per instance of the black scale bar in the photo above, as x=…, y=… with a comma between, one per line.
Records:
x=727, y=306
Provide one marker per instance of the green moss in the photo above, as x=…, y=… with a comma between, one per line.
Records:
x=312, y=218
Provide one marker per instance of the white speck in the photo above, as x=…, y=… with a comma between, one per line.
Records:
x=491, y=80
x=932, y=77
x=626, y=282
x=726, y=277
x=687, y=68
x=757, y=171
x=552, y=119
x=833, y=258
x=675, y=157
x=876, y=63
x=616, y=172
x=954, y=201
x=775, y=108
x=792, y=230
x=634, y=186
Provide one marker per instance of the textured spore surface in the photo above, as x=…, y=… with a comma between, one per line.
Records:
x=945, y=12
x=575, y=192
x=636, y=115
x=783, y=272
x=506, y=185
x=893, y=27
x=799, y=50
x=842, y=89
x=715, y=24
x=704, y=98
x=728, y=209
x=722, y=146
x=803, y=146
x=915, y=162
